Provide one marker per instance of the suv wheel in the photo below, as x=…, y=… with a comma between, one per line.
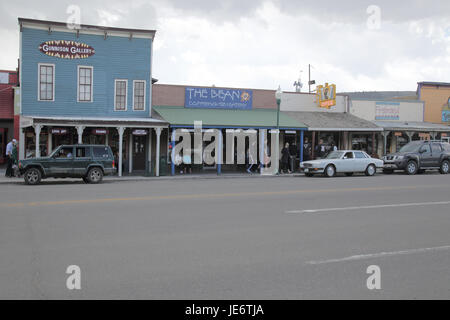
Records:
x=95, y=175
x=32, y=176
x=330, y=171
x=411, y=167
x=371, y=170
x=445, y=167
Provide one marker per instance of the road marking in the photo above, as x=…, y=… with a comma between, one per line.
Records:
x=370, y=207
x=380, y=254
x=214, y=195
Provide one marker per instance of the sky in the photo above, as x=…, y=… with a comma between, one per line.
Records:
x=358, y=45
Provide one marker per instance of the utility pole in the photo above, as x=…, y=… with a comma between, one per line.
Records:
x=309, y=78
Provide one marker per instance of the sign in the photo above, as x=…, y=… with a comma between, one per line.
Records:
x=326, y=95
x=58, y=131
x=65, y=49
x=100, y=131
x=216, y=98
x=398, y=134
x=139, y=132
x=387, y=111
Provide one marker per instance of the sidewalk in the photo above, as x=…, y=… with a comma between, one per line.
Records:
x=5, y=180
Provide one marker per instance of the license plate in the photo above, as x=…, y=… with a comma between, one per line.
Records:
x=389, y=166
x=306, y=170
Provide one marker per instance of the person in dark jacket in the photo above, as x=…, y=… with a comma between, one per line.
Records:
x=285, y=158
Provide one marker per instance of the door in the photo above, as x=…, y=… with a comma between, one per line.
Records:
x=436, y=152
x=61, y=163
x=426, y=159
x=361, y=161
x=81, y=160
x=348, y=162
x=139, y=150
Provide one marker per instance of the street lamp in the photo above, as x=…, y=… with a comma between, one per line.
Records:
x=278, y=97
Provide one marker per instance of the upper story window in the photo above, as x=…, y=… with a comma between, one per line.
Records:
x=120, y=95
x=139, y=95
x=46, y=90
x=85, y=77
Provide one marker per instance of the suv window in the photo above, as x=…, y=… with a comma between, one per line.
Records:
x=425, y=148
x=359, y=155
x=83, y=152
x=446, y=147
x=64, y=153
x=100, y=152
x=436, y=148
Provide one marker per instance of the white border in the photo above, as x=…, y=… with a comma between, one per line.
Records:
x=126, y=94
x=145, y=94
x=39, y=81
x=78, y=84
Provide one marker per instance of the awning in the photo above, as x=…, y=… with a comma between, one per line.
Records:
x=412, y=126
x=28, y=121
x=333, y=121
x=224, y=118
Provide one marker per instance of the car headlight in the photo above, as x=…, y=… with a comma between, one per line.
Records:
x=399, y=158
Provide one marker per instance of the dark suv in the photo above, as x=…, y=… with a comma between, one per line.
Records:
x=89, y=162
x=418, y=156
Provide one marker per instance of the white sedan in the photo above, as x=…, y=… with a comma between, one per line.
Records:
x=342, y=161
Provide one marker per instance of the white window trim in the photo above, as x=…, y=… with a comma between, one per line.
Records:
x=145, y=95
x=39, y=81
x=126, y=94
x=92, y=84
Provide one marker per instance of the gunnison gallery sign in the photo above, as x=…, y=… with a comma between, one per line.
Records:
x=66, y=49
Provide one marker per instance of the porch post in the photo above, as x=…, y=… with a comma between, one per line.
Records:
x=49, y=141
x=22, y=143
x=37, y=132
x=313, y=145
x=410, y=135
x=219, y=153
x=150, y=135
x=385, y=134
x=80, y=130
x=130, y=152
x=158, y=144
x=120, y=130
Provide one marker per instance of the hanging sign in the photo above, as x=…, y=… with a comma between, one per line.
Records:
x=58, y=131
x=65, y=49
x=139, y=132
x=326, y=95
x=100, y=131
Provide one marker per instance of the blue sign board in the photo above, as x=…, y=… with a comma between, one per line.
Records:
x=218, y=98
x=446, y=116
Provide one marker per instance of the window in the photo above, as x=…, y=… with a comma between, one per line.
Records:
x=436, y=148
x=139, y=95
x=120, y=95
x=100, y=152
x=85, y=75
x=64, y=153
x=425, y=149
x=348, y=155
x=359, y=155
x=83, y=152
x=46, y=82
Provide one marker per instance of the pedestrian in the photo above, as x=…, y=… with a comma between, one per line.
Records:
x=292, y=156
x=306, y=150
x=251, y=161
x=285, y=158
x=9, y=151
x=187, y=163
x=320, y=149
x=15, y=161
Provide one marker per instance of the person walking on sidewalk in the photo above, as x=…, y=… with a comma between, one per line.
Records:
x=9, y=153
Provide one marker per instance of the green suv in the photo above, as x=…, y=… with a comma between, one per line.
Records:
x=89, y=162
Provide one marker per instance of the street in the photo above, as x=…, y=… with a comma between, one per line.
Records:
x=243, y=238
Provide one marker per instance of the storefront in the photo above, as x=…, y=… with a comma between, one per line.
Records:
x=137, y=140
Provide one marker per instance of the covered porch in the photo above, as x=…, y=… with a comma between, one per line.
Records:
x=135, y=142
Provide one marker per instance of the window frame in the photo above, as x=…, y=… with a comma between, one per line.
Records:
x=145, y=95
x=126, y=95
x=39, y=81
x=91, y=85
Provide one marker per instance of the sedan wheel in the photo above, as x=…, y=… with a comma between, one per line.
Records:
x=95, y=175
x=371, y=170
x=445, y=167
x=330, y=171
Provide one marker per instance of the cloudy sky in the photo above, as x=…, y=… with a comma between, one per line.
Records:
x=261, y=44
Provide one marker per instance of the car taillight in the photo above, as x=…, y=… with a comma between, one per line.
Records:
x=114, y=164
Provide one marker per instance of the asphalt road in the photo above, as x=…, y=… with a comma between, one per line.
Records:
x=243, y=238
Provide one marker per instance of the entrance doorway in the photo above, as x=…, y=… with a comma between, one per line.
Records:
x=139, y=151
